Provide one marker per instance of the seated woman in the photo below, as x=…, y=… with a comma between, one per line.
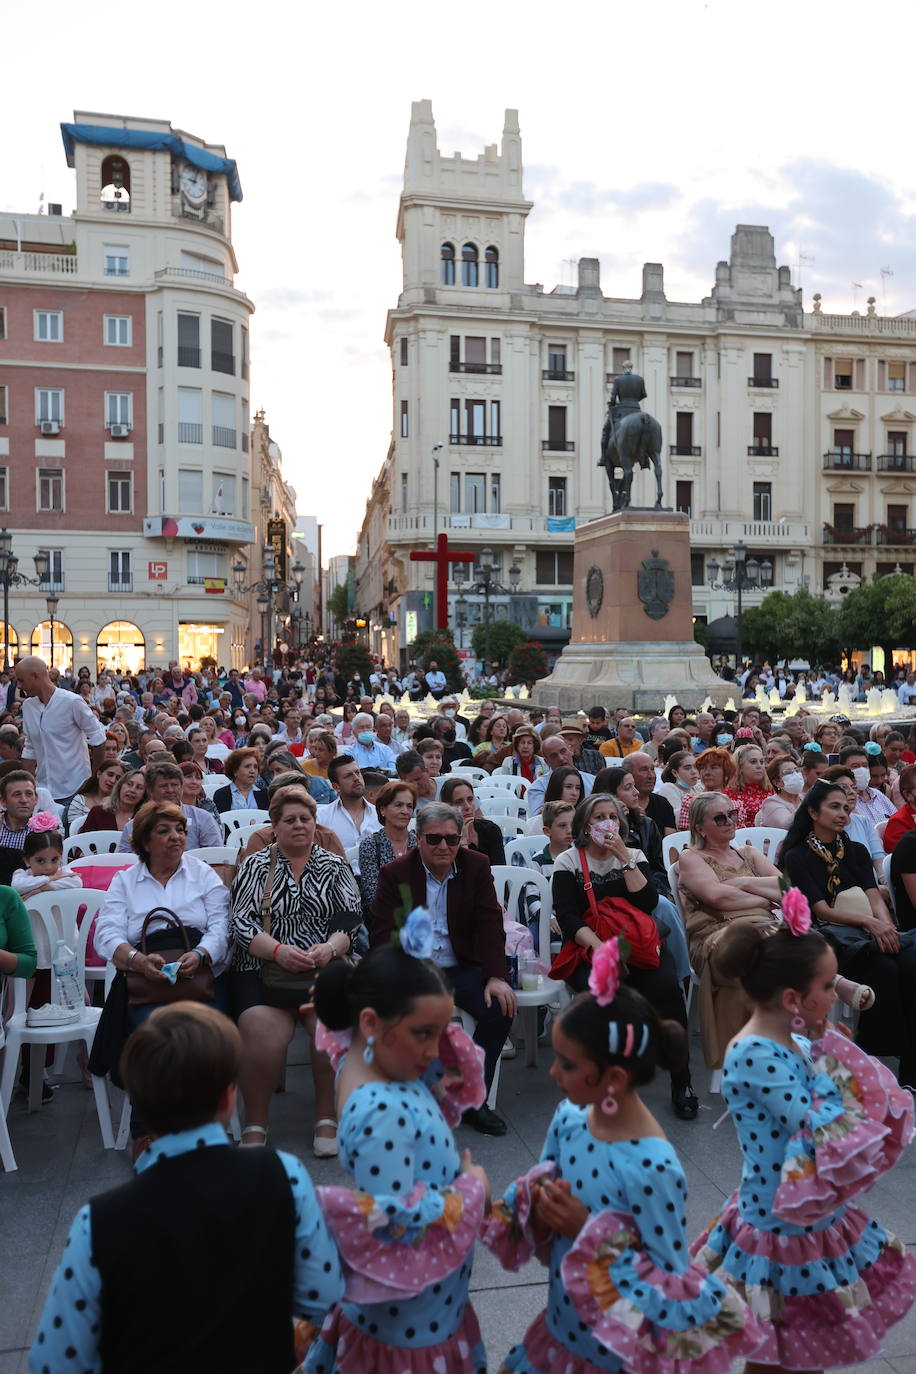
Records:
x=858, y=827
x=837, y=877
x=278, y=759
x=495, y=738
x=394, y=806
x=751, y=786
x=261, y=837
x=242, y=792
x=720, y=885
x=564, y=784
x=904, y=818
x=200, y=742
x=120, y=806
x=523, y=758
x=788, y=783
x=600, y=850
x=717, y=770
x=295, y=907
x=192, y=789
x=93, y=792
x=322, y=750
x=680, y=778
x=477, y=833
x=813, y=764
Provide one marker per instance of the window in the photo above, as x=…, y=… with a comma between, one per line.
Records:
x=556, y=359
x=763, y=500
x=49, y=326
x=50, y=489
x=118, y=408
x=698, y=574
x=405, y=421
x=897, y=518
x=117, y=330
x=188, y=340
x=556, y=496
x=115, y=178
x=495, y=494
x=619, y=356
x=684, y=432
x=120, y=493
x=4, y=406
x=454, y=420
x=403, y=348
x=844, y=442
x=244, y=510
x=763, y=430
x=844, y=515
x=116, y=262
x=475, y=353
x=475, y=413
x=161, y=491
x=896, y=376
x=202, y=564
x=245, y=359
x=55, y=578
x=469, y=265
x=4, y=488
x=491, y=268
x=475, y=493
x=223, y=493
x=763, y=369
x=683, y=365
x=222, y=358
x=447, y=264
x=403, y=493
x=190, y=425
x=554, y=568
x=223, y=420
x=190, y=491
x=495, y=352
x=683, y=497
x=454, y=350
x=896, y=442
x=3, y=334
x=556, y=428
x=454, y=493
x=842, y=374
x=49, y=405
x=495, y=413
x=120, y=576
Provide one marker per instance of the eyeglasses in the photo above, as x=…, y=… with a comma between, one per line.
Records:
x=452, y=841
x=724, y=818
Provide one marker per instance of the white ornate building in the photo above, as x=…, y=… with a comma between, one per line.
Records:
x=787, y=430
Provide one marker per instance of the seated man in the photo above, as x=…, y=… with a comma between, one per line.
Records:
x=411, y=768
x=456, y=887
x=180, y=1069
x=164, y=783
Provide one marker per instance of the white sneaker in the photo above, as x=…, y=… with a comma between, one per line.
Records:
x=508, y=1050
x=42, y=1018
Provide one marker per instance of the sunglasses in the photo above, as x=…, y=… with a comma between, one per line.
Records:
x=724, y=817
x=452, y=841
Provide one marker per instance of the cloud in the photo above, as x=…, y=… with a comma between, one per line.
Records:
x=290, y=298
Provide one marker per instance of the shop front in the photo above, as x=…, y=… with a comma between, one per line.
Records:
x=120, y=648
x=197, y=641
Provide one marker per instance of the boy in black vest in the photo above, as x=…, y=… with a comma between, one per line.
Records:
x=205, y=1258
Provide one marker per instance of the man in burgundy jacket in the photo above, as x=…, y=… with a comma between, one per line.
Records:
x=469, y=943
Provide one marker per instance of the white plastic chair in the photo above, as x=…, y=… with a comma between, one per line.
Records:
x=352, y=855
x=212, y=782
x=672, y=846
x=218, y=751
x=766, y=838
x=469, y=1025
x=510, y=882
x=7, y=1158
x=63, y=905
x=95, y=842
x=495, y=808
x=505, y=782
x=463, y=769
x=105, y=861
x=527, y=845
x=215, y=853
x=243, y=820
x=880, y=829
x=47, y=930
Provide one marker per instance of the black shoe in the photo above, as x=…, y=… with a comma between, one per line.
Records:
x=485, y=1121
x=685, y=1101
x=47, y=1092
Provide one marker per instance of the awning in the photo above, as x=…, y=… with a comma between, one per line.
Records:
x=106, y=135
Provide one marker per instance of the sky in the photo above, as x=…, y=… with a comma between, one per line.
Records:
x=648, y=132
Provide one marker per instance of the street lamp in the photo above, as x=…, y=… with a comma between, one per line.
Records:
x=740, y=574
x=10, y=576
x=51, y=601
x=266, y=586
x=487, y=586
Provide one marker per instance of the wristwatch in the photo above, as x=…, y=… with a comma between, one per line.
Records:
x=631, y=864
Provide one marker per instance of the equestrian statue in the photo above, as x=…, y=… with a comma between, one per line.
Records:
x=630, y=438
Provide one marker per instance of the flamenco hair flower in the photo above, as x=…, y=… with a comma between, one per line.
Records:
x=873, y=747
x=416, y=934
x=42, y=821
x=604, y=977
x=796, y=912
x=813, y=748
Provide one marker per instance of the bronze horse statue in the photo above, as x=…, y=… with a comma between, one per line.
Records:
x=630, y=439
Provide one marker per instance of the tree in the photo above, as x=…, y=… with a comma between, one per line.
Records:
x=784, y=627
x=880, y=612
x=338, y=603
x=504, y=636
x=763, y=627
x=527, y=662
x=439, y=646
x=354, y=658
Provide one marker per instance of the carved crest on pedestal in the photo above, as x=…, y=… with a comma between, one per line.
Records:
x=655, y=586
x=594, y=590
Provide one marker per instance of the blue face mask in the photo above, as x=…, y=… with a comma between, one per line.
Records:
x=698, y=745
x=723, y=741
x=367, y=738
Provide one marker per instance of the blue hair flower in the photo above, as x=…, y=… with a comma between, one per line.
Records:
x=873, y=747
x=416, y=934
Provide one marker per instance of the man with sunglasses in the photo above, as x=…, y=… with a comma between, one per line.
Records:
x=469, y=943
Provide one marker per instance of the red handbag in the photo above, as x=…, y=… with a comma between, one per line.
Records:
x=610, y=917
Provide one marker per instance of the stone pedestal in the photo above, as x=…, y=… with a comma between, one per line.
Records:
x=632, y=631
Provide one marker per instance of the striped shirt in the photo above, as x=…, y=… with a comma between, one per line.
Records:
x=302, y=913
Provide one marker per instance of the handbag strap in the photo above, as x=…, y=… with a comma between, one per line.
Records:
x=589, y=887
x=267, y=894
x=163, y=913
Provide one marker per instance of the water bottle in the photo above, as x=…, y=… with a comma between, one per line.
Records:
x=65, y=967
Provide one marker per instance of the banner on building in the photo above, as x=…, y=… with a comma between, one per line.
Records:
x=276, y=537
x=197, y=527
x=215, y=585
x=561, y=524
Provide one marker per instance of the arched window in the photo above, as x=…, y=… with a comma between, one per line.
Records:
x=10, y=645
x=469, y=266
x=115, y=183
x=447, y=264
x=491, y=267
x=60, y=653
x=120, y=648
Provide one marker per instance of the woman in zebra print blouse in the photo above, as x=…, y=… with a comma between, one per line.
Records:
x=315, y=911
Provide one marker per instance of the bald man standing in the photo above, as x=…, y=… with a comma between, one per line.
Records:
x=64, y=741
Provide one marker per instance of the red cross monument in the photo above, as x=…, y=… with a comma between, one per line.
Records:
x=442, y=557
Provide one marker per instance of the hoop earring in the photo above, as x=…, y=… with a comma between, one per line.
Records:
x=798, y=1024
x=610, y=1104
x=369, y=1052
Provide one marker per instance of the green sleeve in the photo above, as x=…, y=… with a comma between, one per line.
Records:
x=16, y=929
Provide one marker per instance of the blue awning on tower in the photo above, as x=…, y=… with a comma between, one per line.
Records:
x=105, y=135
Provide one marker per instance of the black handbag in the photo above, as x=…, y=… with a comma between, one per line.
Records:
x=142, y=990
x=282, y=989
x=848, y=940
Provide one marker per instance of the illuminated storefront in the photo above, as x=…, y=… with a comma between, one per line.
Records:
x=197, y=642
x=120, y=647
x=61, y=655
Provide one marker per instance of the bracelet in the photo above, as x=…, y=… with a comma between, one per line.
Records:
x=133, y=954
x=274, y=953
x=201, y=954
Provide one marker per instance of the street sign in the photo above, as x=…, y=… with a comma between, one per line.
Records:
x=158, y=572
x=276, y=536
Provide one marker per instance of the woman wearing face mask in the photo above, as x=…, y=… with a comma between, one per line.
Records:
x=788, y=780
x=600, y=855
x=679, y=778
x=240, y=728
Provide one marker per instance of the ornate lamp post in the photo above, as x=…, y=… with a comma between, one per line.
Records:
x=10, y=576
x=740, y=574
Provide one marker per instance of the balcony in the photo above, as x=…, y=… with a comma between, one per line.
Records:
x=196, y=581
x=222, y=362
x=780, y=534
x=693, y=383
x=223, y=437
x=551, y=374
x=557, y=446
x=685, y=451
x=885, y=535
x=477, y=440
x=762, y=451
x=842, y=460
x=121, y=585
x=895, y=462
x=763, y=381
x=190, y=434
x=478, y=369
x=39, y=264
x=188, y=357
x=214, y=277
x=854, y=534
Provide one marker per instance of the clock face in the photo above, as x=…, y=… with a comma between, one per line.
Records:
x=193, y=182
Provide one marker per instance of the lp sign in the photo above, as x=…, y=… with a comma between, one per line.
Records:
x=158, y=572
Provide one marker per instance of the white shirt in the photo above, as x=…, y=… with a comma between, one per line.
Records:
x=193, y=892
x=336, y=817
x=437, y=905
x=58, y=736
x=906, y=693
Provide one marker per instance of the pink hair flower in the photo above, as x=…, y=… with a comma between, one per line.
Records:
x=796, y=912
x=604, y=978
x=42, y=821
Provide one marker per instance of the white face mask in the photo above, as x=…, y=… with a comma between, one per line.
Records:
x=861, y=777
x=793, y=783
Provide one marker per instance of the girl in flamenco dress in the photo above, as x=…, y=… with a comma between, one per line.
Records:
x=604, y=1210
x=406, y=1232
x=818, y=1121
